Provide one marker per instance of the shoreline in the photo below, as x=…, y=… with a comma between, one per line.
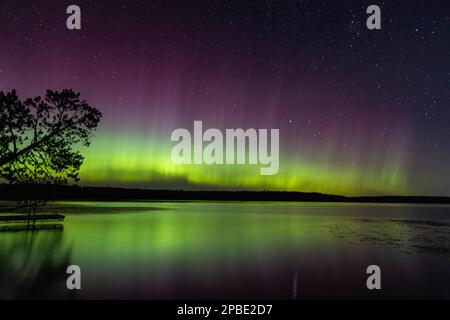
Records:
x=79, y=193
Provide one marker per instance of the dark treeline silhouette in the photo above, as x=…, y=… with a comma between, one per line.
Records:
x=65, y=192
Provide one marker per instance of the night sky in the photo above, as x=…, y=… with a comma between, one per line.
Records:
x=360, y=112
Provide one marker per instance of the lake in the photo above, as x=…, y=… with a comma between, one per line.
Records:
x=231, y=250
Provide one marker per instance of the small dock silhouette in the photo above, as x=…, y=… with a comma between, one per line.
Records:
x=28, y=222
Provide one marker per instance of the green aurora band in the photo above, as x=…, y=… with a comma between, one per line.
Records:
x=136, y=161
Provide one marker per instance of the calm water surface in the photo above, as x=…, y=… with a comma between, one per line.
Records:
x=167, y=250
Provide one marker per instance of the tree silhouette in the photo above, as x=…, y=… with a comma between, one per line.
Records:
x=40, y=138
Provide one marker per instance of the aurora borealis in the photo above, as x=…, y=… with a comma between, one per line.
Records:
x=360, y=112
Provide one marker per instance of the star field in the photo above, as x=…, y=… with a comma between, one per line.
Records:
x=359, y=111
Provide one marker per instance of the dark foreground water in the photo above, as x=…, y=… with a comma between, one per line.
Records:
x=166, y=250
